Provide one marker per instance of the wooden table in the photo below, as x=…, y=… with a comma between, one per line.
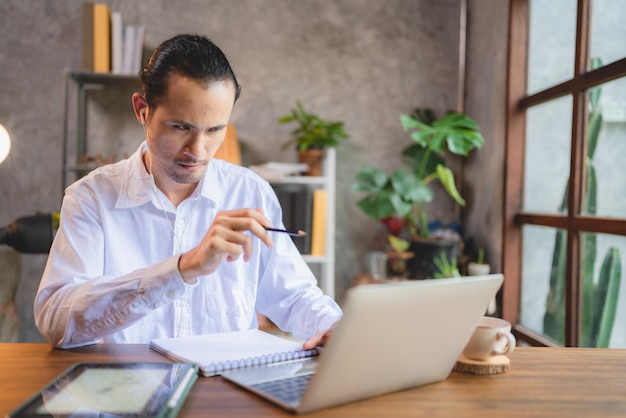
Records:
x=542, y=382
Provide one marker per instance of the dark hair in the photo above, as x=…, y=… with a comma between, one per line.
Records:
x=192, y=56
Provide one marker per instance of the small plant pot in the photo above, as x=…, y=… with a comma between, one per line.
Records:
x=313, y=158
x=477, y=269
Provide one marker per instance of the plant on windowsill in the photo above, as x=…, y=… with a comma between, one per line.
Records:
x=399, y=200
x=312, y=136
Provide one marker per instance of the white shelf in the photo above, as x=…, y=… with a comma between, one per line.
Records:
x=315, y=259
x=326, y=262
x=321, y=181
x=77, y=84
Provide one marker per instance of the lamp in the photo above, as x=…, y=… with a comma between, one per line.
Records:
x=31, y=234
x=5, y=143
x=28, y=234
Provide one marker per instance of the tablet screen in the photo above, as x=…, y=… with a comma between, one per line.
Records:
x=94, y=389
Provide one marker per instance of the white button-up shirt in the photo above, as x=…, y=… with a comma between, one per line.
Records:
x=112, y=273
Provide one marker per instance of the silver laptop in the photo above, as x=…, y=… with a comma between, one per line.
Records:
x=393, y=336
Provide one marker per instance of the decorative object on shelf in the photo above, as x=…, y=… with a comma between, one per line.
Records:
x=398, y=200
x=93, y=161
x=312, y=136
x=31, y=234
x=5, y=143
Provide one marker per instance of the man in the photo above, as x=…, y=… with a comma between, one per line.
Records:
x=171, y=242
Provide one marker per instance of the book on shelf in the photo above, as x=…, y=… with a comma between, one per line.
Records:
x=318, y=227
x=284, y=193
x=302, y=219
x=215, y=353
x=96, y=37
x=132, y=49
x=140, y=35
x=108, y=44
x=117, y=42
x=128, y=46
x=296, y=201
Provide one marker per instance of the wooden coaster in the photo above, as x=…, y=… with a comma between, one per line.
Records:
x=495, y=365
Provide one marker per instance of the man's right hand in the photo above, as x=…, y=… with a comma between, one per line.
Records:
x=225, y=240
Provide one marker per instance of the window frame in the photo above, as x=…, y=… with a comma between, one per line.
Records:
x=573, y=222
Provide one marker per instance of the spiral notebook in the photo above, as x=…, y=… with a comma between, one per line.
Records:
x=216, y=353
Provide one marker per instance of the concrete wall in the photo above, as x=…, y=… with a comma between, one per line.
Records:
x=360, y=61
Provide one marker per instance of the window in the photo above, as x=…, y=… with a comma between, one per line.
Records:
x=565, y=190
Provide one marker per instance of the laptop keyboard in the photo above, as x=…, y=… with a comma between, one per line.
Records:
x=288, y=390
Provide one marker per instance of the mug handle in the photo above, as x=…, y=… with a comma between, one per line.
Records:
x=510, y=346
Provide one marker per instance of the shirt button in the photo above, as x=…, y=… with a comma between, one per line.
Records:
x=170, y=294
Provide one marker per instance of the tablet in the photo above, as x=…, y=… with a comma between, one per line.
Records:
x=113, y=389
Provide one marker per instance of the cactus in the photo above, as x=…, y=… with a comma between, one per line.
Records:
x=605, y=300
x=554, y=318
x=589, y=254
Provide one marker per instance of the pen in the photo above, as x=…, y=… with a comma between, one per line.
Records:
x=180, y=389
x=299, y=233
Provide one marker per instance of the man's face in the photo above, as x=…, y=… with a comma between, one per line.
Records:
x=185, y=131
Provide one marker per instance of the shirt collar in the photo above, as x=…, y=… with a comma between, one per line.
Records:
x=136, y=187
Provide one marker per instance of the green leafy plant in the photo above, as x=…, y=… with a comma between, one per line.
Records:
x=404, y=193
x=312, y=131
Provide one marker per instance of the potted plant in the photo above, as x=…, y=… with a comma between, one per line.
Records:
x=312, y=136
x=479, y=267
x=399, y=200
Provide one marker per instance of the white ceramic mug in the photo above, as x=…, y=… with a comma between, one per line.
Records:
x=492, y=337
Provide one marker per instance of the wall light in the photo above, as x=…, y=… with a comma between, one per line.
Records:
x=5, y=143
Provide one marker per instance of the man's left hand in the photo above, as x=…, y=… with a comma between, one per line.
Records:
x=318, y=339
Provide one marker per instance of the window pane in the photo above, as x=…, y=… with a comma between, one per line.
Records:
x=543, y=281
x=546, y=167
x=605, y=188
x=608, y=30
x=604, y=291
x=551, y=43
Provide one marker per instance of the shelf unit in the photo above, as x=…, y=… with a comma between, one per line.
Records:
x=77, y=85
x=328, y=182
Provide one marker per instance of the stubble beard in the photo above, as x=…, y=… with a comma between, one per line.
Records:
x=186, y=177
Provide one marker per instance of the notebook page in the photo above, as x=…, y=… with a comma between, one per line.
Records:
x=230, y=350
